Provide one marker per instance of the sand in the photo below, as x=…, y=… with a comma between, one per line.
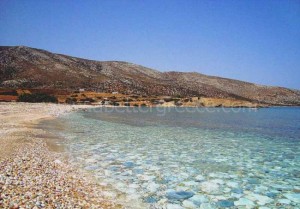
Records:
x=32, y=173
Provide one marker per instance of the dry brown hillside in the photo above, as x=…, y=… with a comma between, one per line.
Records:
x=24, y=67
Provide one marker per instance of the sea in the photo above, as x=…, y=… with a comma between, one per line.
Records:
x=177, y=157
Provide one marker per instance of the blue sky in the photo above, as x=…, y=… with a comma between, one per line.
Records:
x=256, y=41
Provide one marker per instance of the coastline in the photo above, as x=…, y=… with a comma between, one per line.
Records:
x=32, y=174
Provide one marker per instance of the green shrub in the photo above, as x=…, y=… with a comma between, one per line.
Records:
x=115, y=104
x=71, y=100
x=10, y=93
x=37, y=97
x=87, y=100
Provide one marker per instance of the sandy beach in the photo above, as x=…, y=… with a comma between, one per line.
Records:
x=32, y=173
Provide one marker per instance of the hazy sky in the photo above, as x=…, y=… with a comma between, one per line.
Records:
x=256, y=41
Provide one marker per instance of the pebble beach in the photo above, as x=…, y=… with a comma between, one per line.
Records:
x=33, y=174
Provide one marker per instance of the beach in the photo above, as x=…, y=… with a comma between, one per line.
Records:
x=58, y=156
x=33, y=173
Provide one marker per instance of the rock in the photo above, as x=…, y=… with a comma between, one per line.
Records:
x=237, y=191
x=57, y=162
x=14, y=206
x=174, y=206
x=232, y=184
x=153, y=187
x=190, y=183
x=209, y=187
x=295, y=197
x=284, y=201
x=225, y=203
x=281, y=187
x=199, y=178
x=150, y=200
x=243, y=202
x=91, y=168
x=179, y=195
x=253, y=181
x=271, y=194
x=218, y=181
x=188, y=204
x=198, y=199
x=146, y=178
x=207, y=206
x=138, y=171
x=261, y=200
x=129, y=164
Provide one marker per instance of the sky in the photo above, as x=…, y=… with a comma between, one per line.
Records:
x=251, y=40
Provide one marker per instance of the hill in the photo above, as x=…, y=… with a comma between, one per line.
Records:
x=25, y=67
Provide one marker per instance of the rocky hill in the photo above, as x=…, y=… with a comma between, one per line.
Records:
x=24, y=67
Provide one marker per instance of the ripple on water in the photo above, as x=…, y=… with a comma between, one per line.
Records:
x=188, y=167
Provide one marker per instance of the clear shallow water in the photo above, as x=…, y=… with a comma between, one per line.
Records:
x=168, y=158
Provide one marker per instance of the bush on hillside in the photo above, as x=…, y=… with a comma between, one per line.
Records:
x=37, y=97
x=10, y=93
x=71, y=100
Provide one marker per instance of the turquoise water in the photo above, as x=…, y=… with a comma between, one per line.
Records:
x=191, y=158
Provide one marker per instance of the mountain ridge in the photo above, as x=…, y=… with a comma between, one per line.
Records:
x=25, y=67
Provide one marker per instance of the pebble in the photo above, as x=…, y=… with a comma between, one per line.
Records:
x=209, y=187
x=174, y=206
x=189, y=204
x=179, y=195
x=207, y=206
x=244, y=202
x=284, y=201
x=198, y=199
x=199, y=178
x=153, y=187
x=225, y=203
x=261, y=200
x=295, y=197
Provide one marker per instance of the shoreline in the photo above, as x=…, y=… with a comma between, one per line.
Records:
x=32, y=174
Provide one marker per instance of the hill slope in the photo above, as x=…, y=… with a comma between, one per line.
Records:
x=24, y=67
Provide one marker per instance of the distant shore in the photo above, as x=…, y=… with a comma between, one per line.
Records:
x=32, y=176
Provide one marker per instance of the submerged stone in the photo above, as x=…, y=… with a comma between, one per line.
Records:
x=91, y=168
x=150, y=200
x=198, y=199
x=179, y=195
x=232, y=184
x=207, y=206
x=113, y=168
x=209, y=187
x=253, y=181
x=243, y=202
x=295, y=197
x=199, y=178
x=174, y=206
x=271, y=194
x=153, y=187
x=237, y=191
x=128, y=164
x=225, y=203
x=138, y=171
x=261, y=199
x=284, y=201
x=189, y=204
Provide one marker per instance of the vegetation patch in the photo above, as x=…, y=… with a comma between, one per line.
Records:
x=37, y=98
x=10, y=93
